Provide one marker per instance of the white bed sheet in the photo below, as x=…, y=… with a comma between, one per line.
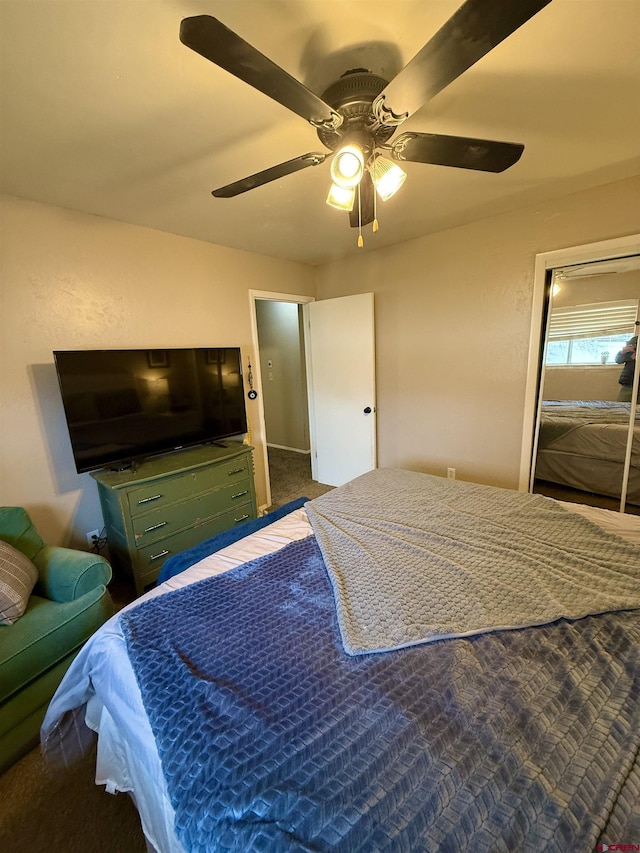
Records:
x=619, y=523
x=128, y=760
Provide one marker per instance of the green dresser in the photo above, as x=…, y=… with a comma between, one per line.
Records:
x=165, y=505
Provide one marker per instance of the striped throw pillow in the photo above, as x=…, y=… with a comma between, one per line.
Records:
x=18, y=576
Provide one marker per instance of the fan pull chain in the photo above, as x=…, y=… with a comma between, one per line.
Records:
x=360, y=240
x=375, y=211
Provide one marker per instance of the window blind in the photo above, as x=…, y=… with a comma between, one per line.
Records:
x=593, y=320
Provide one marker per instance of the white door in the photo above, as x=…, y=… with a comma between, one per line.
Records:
x=341, y=377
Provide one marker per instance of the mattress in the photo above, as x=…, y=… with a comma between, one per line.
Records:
x=102, y=683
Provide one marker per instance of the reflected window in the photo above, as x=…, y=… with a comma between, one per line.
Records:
x=590, y=333
x=599, y=350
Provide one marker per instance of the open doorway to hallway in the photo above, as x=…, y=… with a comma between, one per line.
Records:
x=280, y=333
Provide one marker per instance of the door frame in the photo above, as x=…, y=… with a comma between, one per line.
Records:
x=269, y=296
x=619, y=247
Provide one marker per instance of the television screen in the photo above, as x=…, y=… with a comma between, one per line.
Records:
x=122, y=405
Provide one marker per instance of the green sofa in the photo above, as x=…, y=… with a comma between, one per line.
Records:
x=68, y=603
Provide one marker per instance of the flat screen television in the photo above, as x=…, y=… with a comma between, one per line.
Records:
x=123, y=405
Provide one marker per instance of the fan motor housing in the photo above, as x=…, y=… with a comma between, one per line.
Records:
x=352, y=96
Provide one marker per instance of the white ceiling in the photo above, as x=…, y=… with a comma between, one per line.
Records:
x=103, y=110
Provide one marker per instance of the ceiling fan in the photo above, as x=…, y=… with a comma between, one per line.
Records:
x=357, y=115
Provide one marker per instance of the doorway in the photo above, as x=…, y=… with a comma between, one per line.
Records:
x=337, y=344
x=285, y=401
x=280, y=377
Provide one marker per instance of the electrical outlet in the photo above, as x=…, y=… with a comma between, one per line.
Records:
x=451, y=473
x=91, y=541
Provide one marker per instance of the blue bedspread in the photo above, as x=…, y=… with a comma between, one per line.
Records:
x=273, y=739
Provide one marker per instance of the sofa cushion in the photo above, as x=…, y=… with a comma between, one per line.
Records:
x=46, y=634
x=18, y=577
x=17, y=529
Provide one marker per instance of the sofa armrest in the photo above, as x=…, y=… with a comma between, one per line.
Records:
x=65, y=573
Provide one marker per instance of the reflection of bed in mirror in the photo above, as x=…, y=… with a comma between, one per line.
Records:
x=582, y=445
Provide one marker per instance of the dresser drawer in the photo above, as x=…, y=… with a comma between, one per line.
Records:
x=170, y=503
x=171, y=489
x=149, y=559
x=166, y=520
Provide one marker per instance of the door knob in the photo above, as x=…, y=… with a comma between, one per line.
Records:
x=367, y=411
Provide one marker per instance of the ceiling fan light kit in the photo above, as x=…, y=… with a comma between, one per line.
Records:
x=387, y=177
x=342, y=198
x=358, y=114
x=347, y=166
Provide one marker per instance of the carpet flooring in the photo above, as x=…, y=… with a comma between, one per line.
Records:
x=47, y=810
x=566, y=493
x=290, y=474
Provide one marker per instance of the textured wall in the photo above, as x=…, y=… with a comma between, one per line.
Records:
x=453, y=315
x=71, y=281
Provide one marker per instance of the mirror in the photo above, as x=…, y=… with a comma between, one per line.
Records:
x=587, y=452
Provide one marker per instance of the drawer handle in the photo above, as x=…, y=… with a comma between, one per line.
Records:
x=155, y=526
x=148, y=500
x=242, y=518
x=158, y=556
x=240, y=494
x=235, y=471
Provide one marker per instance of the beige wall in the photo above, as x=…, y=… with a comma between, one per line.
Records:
x=71, y=281
x=581, y=383
x=453, y=313
x=282, y=365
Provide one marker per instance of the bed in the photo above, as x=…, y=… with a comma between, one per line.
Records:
x=406, y=663
x=582, y=444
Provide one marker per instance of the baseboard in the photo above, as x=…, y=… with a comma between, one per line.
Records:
x=292, y=449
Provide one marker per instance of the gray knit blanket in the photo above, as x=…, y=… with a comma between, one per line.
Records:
x=414, y=558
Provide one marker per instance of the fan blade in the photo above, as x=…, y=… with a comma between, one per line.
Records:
x=475, y=29
x=211, y=39
x=268, y=175
x=462, y=152
x=364, y=214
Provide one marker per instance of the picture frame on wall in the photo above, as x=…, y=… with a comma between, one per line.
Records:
x=158, y=358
